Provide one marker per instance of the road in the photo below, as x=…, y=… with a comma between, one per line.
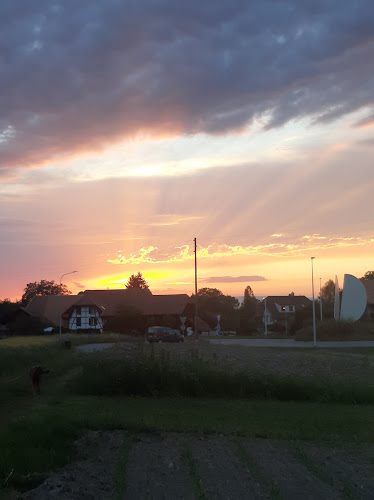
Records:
x=291, y=343
x=286, y=343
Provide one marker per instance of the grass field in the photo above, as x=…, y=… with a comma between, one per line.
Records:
x=106, y=391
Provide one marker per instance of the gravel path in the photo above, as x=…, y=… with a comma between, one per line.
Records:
x=171, y=466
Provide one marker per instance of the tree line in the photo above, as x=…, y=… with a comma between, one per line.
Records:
x=243, y=318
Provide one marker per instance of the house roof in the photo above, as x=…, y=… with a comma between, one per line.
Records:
x=289, y=300
x=83, y=301
x=298, y=301
x=108, y=301
x=148, y=304
x=49, y=306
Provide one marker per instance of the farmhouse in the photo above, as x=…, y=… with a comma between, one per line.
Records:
x=91, y=309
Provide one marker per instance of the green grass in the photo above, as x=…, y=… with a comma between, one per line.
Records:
x=43, y=439
x=194, y=475
x=145, y=374
x=103, y=392
x=120, y=479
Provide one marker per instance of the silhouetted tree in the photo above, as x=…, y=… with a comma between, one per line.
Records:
x=369, y=275
x=249, y=302
x=7, y=308
x=328, y=298
x=328, y=292
x=136, y=281
x=212, y=301
x=43, y=287
x=248, y=311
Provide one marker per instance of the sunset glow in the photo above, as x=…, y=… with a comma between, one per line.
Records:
x=250, y=128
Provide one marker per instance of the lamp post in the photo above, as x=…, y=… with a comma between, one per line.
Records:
x=320, y=296
x=60, y=312
x=196, y=305
x=314, y=308
x=265, y=319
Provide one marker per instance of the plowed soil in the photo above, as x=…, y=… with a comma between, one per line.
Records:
x=173, y=466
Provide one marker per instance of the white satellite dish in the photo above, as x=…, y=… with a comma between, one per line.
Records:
x=354, y=299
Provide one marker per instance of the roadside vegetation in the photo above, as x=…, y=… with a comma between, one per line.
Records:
x=158, y=389
x=332, y=330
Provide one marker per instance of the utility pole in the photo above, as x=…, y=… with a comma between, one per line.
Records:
x=314, y=308
x=196, y=332
x=60, y=309
x=265, y=319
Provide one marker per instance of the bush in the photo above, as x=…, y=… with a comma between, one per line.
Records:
x=336, y=330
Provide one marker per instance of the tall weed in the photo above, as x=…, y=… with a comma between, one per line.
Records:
x=159, y=376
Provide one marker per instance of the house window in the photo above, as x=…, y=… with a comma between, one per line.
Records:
x=93, y=321
x=79, y=323
x=283, y=308
x=92, y=311
x=292, y=308
x=78, y=311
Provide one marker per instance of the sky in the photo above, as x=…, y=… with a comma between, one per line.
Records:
x=129, y=128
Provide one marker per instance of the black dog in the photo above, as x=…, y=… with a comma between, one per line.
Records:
x=35, y=374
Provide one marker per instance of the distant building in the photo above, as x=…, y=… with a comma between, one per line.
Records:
x=281, y=310
x=91, y=309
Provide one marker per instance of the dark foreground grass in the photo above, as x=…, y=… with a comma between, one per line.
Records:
x=43, y=440
x=190, y=396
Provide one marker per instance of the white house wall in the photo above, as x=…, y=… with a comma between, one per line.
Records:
x=86, y=319
x=287, y=309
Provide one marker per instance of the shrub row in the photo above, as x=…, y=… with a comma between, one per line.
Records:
x=160, y=377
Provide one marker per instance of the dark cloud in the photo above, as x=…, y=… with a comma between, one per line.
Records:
x=231, y=279
x=368, y=121
x=77, y=76
x=367, y=142
x=79, y=285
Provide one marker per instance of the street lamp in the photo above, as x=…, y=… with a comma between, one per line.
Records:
x=320, y=297
x=314, y=308
x=265, y=318
x=60, y=312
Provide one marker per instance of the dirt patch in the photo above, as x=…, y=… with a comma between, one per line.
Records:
x=156, y=469
x=182, y=466
x=91, y=477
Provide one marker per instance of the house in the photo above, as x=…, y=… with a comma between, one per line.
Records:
x=90, y=310
x=84, y=314
x=369, y=311
x=281, y=310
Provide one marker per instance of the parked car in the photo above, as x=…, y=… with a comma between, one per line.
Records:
x=49, y=330
x=163, y=334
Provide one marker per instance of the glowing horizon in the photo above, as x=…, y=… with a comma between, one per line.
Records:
x=121, y=146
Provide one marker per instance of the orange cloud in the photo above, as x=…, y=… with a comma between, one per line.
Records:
x=304, y=245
